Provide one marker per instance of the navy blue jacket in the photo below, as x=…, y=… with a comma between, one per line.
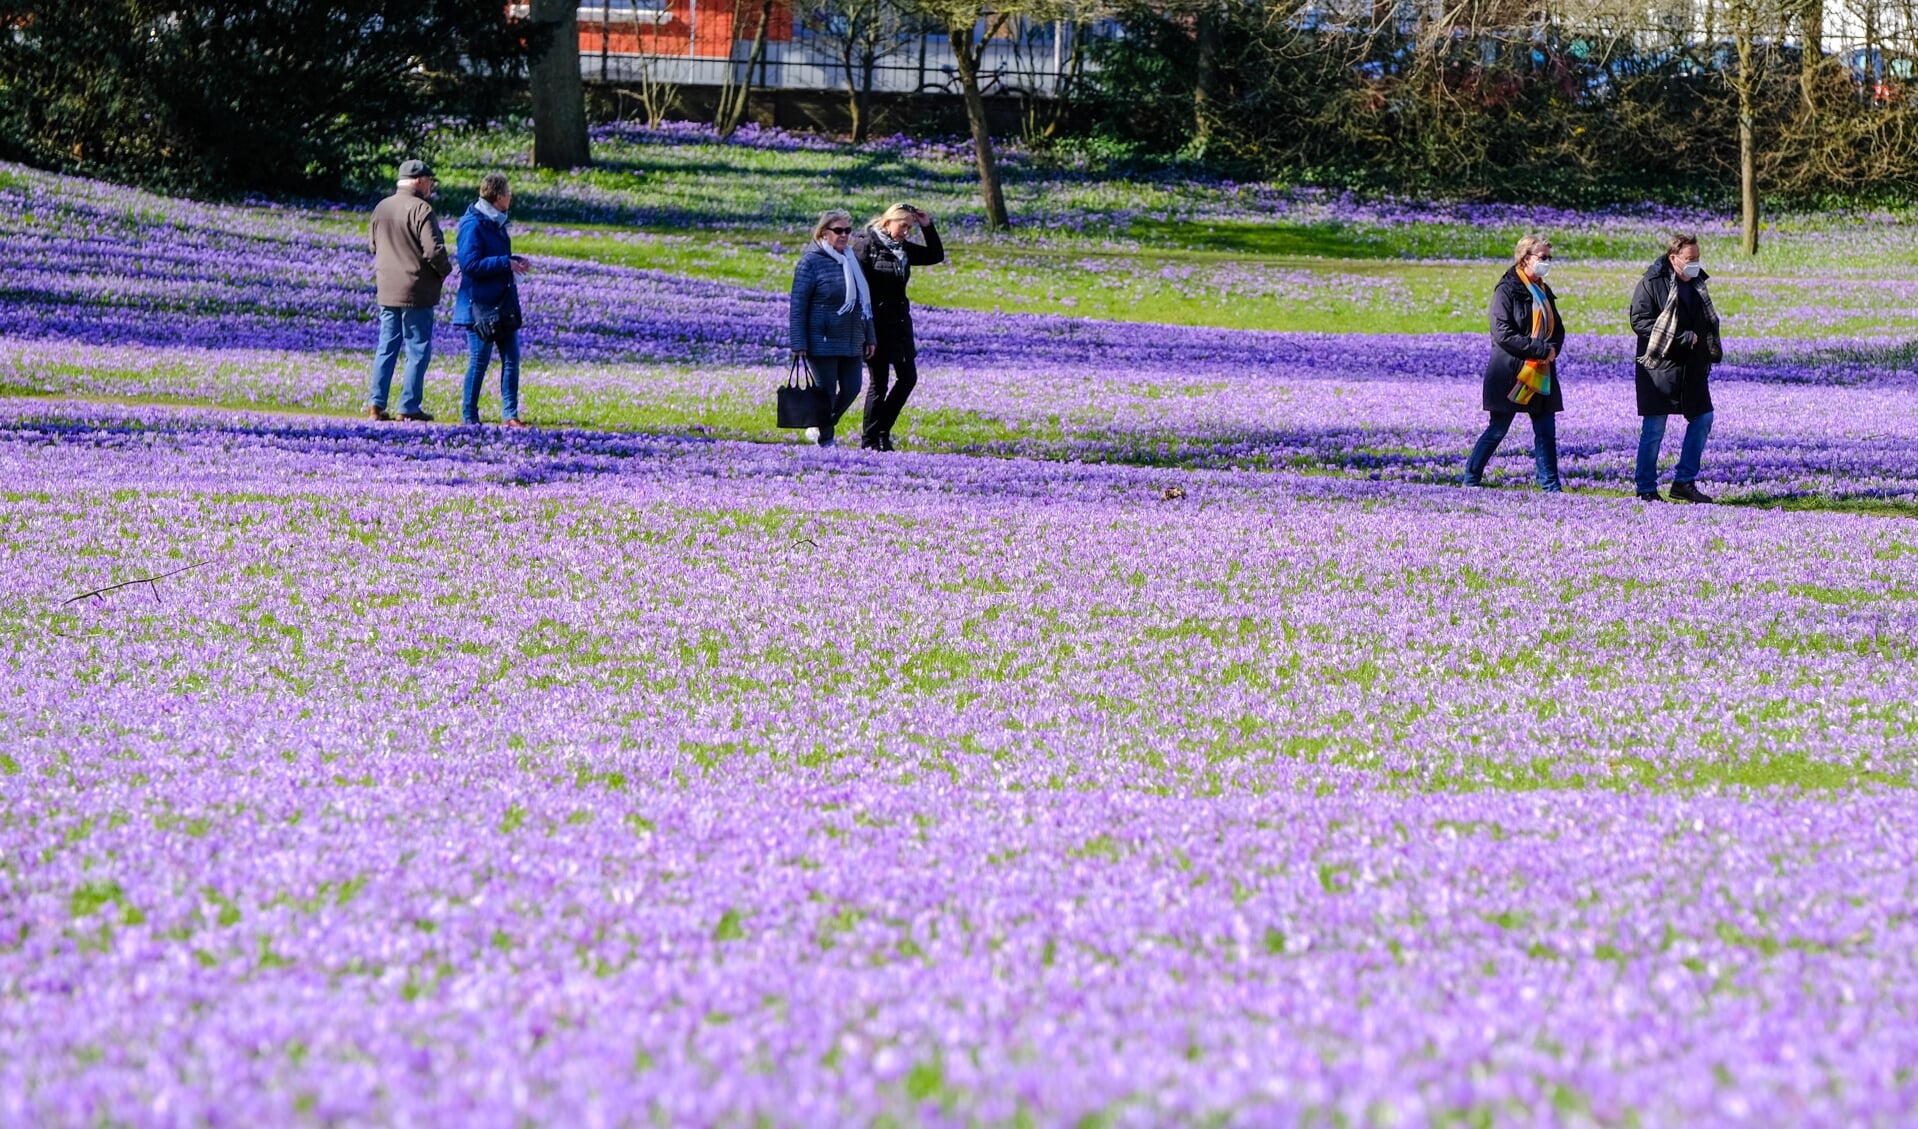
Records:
x=818, y=328
x=1513, y=345
x=486, y=267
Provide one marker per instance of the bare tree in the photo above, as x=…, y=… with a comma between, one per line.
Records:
x=862, y=33
x=559, y=97
x=971, y=28
x=735, y=94
x=656, y=92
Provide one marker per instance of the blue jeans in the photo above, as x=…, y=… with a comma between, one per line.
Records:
x=1544, y=448
x=414, y=330
x=1651, y=435
x=839, y=381
x=479, y=354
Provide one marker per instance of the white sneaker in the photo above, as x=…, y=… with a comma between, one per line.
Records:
x=812, y=435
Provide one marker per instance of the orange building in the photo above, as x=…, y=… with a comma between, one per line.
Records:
x=704, y=29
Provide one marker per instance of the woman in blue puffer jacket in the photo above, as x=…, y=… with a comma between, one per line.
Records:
x=488, y=303
x=831, y=320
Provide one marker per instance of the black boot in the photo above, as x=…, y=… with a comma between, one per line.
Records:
x=1689, y=492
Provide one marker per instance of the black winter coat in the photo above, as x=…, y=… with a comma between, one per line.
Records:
x=1513, y=345
x=1694, y=396
x=886, y=277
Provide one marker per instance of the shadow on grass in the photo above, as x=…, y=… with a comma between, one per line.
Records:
x=1413, y=459
x=1335, y=240
x=1787, y=771
x=1827, y=504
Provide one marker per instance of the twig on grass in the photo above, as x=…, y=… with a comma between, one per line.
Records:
x=153, y=580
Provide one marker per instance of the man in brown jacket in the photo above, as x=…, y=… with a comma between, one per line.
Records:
x=410, y=264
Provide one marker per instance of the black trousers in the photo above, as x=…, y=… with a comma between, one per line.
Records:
x=883, y=402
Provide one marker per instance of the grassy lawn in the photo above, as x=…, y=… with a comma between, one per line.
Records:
x=1111, y=243
x=1195, y=283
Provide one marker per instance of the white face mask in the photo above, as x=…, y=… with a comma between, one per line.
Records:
x=1690, y=270
x=1541, y=268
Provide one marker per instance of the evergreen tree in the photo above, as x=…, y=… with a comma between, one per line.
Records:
x=279, y=95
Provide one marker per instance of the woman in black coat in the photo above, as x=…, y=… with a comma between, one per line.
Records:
x=887, y=256
x=1677, y=379
x=1522, y=375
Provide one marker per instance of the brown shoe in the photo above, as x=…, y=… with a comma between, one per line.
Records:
x=377, y=413
x=517, y=422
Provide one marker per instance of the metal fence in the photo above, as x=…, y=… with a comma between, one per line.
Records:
x=1036, y=62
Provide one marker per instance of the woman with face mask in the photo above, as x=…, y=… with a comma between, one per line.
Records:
x=1677, y=345
x=1522, y=375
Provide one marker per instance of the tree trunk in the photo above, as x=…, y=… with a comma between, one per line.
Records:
x=559, y=97
x=862, y=101
x=1747, y=148
x=1811, y=72
x=1204, y=85
x=968, y=58
x=1748, y=177
x=855, y=104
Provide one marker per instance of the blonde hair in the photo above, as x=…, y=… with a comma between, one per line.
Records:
x=1528, y=246
x=896, y=212
x=825, y=221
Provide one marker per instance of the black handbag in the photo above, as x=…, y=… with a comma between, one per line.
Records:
x=799, y=396
x=493, y=324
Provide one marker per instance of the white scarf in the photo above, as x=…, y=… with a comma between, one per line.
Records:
x=494, y=214
x=855, y=282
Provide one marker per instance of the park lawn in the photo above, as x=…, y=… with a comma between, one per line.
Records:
x=609, y=766
x=1846, y=457
x=1116, y=244
x=1233, y=289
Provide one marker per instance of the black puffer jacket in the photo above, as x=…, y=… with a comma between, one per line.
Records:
x=1513, y=345
x=1694, y=393
x=886, y=277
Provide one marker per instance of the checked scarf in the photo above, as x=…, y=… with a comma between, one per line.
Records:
x=1535, y=377
x=1658, y=343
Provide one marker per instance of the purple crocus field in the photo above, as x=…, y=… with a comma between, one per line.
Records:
x=1160, y=743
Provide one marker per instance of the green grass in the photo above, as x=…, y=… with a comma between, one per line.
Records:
x=1106, y=245
x=1198, y=284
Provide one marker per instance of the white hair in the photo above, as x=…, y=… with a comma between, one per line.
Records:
x=408, y=182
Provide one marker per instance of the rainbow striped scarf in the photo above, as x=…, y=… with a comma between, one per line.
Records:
x=1535, y=377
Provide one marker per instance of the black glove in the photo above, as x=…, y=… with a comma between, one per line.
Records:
x=1686, y=339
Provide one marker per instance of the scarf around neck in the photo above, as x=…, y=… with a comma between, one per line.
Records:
x=492, y=213
x=856, y=291
x=896, y=247
x=1535, y=377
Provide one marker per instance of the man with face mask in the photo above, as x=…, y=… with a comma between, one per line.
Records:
x=1678, y=343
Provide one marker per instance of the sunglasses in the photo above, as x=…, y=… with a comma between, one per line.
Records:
x=840, y=230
